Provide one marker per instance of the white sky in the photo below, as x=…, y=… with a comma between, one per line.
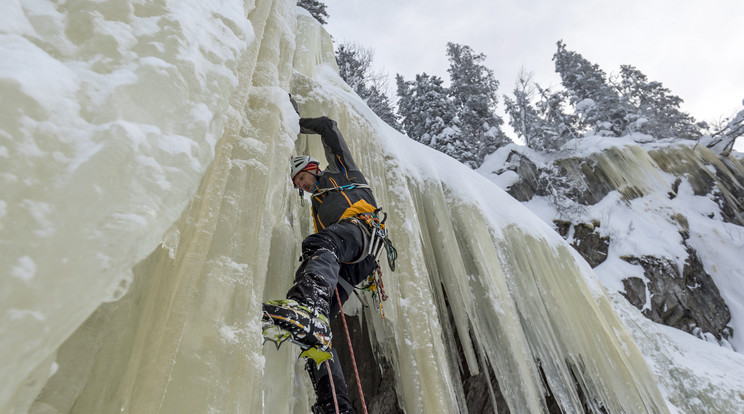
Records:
x=693, y=47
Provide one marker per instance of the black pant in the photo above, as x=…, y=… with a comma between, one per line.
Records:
x=325, y=255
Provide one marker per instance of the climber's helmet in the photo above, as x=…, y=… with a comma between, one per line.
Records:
x=303, y=163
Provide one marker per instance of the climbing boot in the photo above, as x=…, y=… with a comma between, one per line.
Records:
x=287, y=320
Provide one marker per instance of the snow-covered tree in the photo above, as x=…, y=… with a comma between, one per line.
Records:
x=652, y=107
x=552, y=108
x=473, y=90
x=316, y=8
x=355, y=68
x=722, y=142
x=523, y=116
x=380, y=104
x=354, y=65
x=593, y=98
x=537, y=115
x=426, y=111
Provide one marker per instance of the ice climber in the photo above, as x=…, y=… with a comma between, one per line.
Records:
x=344, y=212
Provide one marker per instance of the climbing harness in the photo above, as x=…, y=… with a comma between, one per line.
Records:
x=376, y=236
x=375, y=239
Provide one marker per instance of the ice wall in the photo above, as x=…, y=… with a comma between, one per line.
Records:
x=125, y=115
x=110, y=115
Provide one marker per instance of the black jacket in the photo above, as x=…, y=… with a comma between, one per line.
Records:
x=342, y=191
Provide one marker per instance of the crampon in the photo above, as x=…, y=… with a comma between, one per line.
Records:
x=287, y=320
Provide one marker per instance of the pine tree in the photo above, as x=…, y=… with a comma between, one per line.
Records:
x=426, y=111
x=354, y=64
x=380, y=105
x=597, y=103
x=543, y=125
x=316, y=8
x=523, y=116
x=355, y=68
x=654, y=110
x=473, y=90
x=561, y=125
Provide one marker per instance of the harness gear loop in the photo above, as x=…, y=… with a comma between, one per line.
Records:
x=375, y=238
x=373, y=284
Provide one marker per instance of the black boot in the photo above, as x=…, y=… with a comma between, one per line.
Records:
x=288, y=320
x=312, y=290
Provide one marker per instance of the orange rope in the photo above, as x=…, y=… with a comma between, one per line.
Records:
x=351, y=351
x=333, y=386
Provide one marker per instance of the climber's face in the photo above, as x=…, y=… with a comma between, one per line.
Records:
x=306, y=180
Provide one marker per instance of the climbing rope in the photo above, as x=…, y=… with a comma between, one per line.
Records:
x=351, y=351
x=333, y=386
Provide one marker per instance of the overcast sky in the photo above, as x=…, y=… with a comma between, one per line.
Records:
x=693, y=47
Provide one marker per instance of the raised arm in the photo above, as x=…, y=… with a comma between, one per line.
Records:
x=336, y=151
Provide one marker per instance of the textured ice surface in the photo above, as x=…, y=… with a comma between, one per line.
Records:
x=147, y=213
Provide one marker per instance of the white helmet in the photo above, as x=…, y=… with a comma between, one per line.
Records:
x=299, y=163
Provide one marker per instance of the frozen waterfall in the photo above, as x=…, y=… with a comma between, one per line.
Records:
x=146, y=213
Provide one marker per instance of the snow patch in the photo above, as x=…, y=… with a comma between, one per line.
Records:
x=19, y=314
x=25, y=269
